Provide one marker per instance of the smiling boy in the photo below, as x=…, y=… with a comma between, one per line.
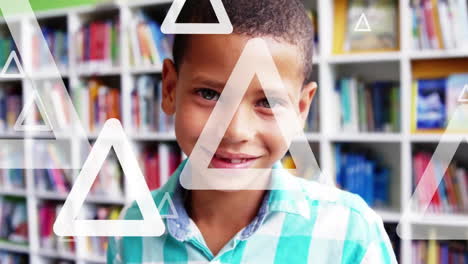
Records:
x=317, y=224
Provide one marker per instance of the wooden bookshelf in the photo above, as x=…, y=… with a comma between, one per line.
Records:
x=402, y=65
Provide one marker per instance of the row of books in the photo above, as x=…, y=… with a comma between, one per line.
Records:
x=10, y=106
x=150, y=162
x=13, y=220
x=358, y=172
x=452, y=192
x=439, y=24
x=48, y=212
x=12, y=179
x=56, y=44
x=435, y=101
x=149, y=45
x=7, y=45
x=96, y=102
x=13, y=258
x=366, y=107
x=97, y=44
x=439, y=252
x=147, y=115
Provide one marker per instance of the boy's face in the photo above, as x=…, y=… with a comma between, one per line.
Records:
x=253, y=138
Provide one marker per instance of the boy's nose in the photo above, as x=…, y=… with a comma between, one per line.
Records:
x=241, y=128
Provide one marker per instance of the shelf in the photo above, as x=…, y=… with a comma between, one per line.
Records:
x=436, y=137
x=457, y=220
x=438, y=54
x=44, y=75
x=91, y=71
x=94, y=259
x=143, y=3
x=50, y=195
x=364, y=57
x=13, y=247
x=91, y=198
x=54, y=254
x=157, y=69
x=13, y=192
x=366, y=137
x=11, y=135
x=389, y=215
x=153, y=136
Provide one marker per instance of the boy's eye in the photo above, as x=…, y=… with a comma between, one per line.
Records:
x=268, y=104
x=208, y=94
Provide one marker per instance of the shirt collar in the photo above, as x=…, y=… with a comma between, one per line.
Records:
x=286, y=195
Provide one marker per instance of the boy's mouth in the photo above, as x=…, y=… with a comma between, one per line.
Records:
x=226, y=160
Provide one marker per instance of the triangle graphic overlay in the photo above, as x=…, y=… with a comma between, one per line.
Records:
x=362, y=28
x=464, y=95
x=255, y=61
x=169, y=25
x=20, y=124
x=427, y=186
x=112, y=135
x=167, y=199
x=13, y=57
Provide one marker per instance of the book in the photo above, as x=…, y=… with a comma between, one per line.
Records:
x=96, y=101
x=382, y=18
x=13, y=258
x=48, y=212
x=451, y=195
x=97, y=246
x=439, y=251
x=430, y=104
x=56, y=43
x=150, y=47
x=97, y=44
x=146, y=104
x=13, y=220
x=368, y=107
x=10, y=106
x=439, y=24
x=361, y=173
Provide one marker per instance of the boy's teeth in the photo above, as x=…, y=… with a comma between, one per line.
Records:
x=236, y=161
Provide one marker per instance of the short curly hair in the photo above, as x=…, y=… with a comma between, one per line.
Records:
x=282, y=20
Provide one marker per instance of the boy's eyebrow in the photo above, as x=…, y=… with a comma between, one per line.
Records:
x=209, y=82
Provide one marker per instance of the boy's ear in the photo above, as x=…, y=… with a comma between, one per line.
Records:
x=169, y=83
x=307, y=95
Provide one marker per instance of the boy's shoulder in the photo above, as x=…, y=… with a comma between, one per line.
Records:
x=331, y=197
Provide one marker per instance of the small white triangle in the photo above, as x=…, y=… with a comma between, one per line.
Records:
x=463, y=98
x=167, y=199
x=362, y=28
x=67, y=224
x=169, y=25
x=20, y=122
x=13, y=57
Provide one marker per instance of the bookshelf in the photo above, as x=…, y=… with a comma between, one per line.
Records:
x=396, y=147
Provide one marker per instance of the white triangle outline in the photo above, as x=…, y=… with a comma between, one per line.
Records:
x=169, y=25
x=13, y=57
x=66, y=224
x=362, y=19
x=422, y=196
x=167, y=198
x=19, y=126
x=463, y=98
x=255, y=61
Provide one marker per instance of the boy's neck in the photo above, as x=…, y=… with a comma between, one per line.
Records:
x=236, y=209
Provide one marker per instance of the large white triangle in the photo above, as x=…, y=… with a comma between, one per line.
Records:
x=12, y=58
x=362, y=25
x=463, y=98
x=112, y=135
x=169, y=25
x=419, y=202
x=255, y=61
x=21, y=124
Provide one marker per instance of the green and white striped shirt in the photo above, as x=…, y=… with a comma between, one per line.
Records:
x=318, y=224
